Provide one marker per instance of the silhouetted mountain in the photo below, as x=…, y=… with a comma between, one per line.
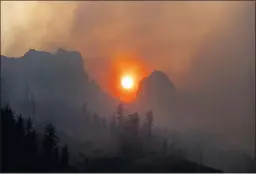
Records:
x=156, y=92
x=52, y=87
x=55, y=87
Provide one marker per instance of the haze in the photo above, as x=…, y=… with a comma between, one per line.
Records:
x=206, y=48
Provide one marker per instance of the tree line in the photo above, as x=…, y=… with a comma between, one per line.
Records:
x=26, y=150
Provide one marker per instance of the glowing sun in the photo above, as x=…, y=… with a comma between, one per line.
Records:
x=127, y=82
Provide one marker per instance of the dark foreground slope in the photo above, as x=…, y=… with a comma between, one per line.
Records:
x=146, y=165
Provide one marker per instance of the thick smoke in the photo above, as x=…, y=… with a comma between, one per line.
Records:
x=207, y=48
x=223, y=72
x=158, y=32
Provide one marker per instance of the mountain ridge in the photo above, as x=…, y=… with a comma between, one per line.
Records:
x=61, y=77
x=54, y=79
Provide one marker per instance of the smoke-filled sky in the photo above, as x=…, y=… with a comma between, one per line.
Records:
x=167, y=35
x=207, y=48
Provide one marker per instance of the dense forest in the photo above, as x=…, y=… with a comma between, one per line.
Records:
x=27, y=150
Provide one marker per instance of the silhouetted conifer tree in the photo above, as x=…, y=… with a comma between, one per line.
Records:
x=20, y=127
x=9, y=140
x=20, y=146
x=50, y=148
x=149, y=123
x=133, y=124
x=132, y=132
x=31, y=147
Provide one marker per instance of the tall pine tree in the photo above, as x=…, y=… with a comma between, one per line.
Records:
x=50, y=149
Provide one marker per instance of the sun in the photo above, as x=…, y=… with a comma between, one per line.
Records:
x=127, y=82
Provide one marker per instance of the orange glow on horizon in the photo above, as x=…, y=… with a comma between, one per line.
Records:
x=130, y=70
x=109, y=73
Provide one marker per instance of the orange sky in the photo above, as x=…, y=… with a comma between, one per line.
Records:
x=167, y=36
x=163, y=35
x=112, y=70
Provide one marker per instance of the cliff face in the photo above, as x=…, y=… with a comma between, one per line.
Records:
x=157, y=92
x=57, y=84
x=156, y=86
